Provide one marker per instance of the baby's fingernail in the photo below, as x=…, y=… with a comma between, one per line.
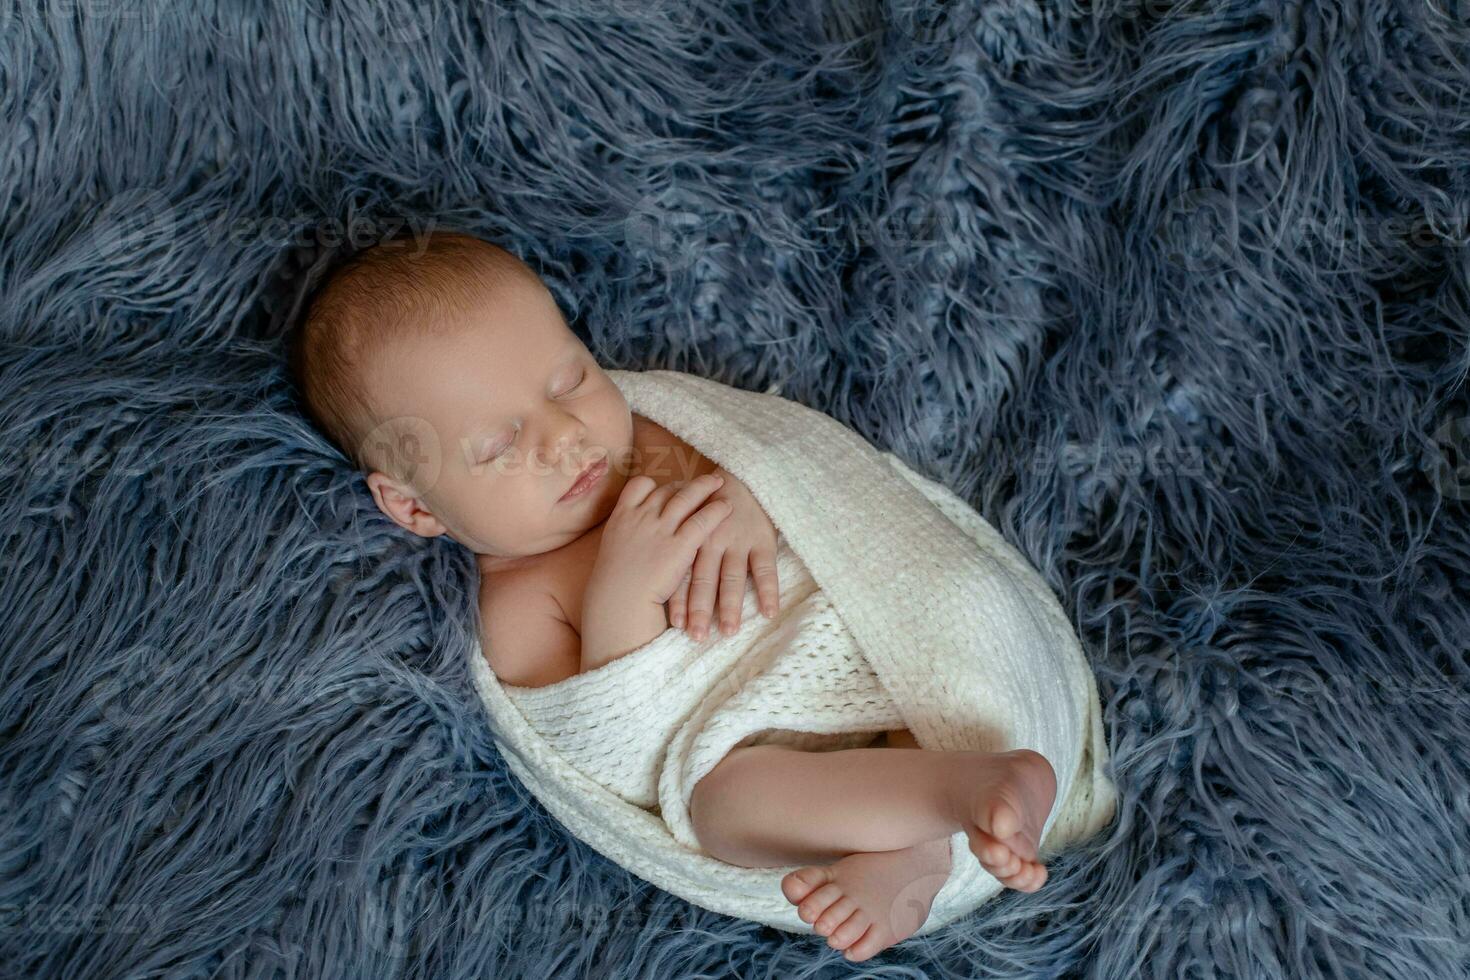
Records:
x=678, y=619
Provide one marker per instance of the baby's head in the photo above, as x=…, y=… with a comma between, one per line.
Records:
x=447, y=374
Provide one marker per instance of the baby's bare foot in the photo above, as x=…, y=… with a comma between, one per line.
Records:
x=1009, y=805
x=868, y=901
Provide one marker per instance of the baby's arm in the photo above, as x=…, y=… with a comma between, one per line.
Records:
x=529, y=642
x=615, y=624
x=648, y=540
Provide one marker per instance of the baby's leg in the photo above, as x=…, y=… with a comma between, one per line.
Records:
x=875, y=823
x=772, y=805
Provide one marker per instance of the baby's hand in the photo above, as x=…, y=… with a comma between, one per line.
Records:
x=746, y=539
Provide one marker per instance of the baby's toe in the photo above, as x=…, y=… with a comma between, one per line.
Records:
x=848, y=932
x=817, y=902
x=835, y=915
x=1022, y=844
x=994, y=856
x=1029, y=878
x=799, y=884
x=1005, y=820
x=871, y=943
x=987, y=849
x=1035, y=876
x=1007, y=868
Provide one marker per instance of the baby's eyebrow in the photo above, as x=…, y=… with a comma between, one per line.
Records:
x=568, y=354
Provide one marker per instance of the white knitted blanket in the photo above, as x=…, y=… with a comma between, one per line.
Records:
x=900, y=607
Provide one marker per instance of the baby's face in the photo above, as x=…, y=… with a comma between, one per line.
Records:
x=515, y=408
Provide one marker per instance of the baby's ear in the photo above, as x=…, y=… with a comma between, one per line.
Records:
x=401, y=504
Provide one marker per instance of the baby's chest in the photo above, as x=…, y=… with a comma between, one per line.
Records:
x=568, y=589
x=565, y=577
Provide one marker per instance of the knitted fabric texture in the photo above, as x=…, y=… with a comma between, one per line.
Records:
x=909, y=610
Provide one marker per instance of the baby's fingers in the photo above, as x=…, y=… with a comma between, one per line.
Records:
x=732, y=589
x=767, y=587
x=679, y=603
x=704, y=577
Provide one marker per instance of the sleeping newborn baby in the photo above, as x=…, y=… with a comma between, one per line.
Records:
x=447, y=374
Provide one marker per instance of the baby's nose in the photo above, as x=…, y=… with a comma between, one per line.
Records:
x=569, y=447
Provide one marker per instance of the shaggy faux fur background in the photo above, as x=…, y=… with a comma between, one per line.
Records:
x=1175, y=293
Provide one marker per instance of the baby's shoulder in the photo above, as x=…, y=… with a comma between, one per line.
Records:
x=525, y=635
x=539, y=583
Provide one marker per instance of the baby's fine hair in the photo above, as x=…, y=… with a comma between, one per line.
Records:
x=402, y=287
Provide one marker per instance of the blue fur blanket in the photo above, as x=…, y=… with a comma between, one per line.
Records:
x=1175, y=293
